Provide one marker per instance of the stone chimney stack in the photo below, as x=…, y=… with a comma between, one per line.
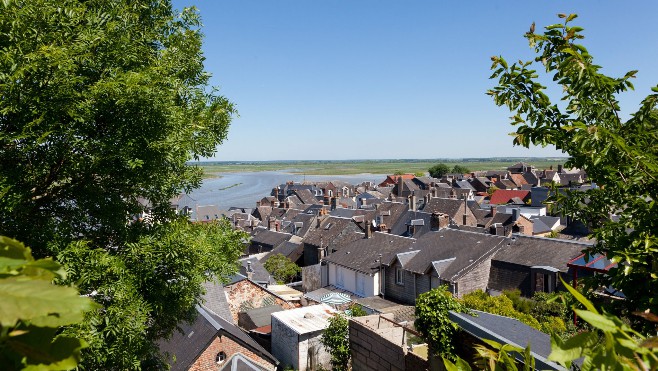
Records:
x=559, y=169
x=271, y=223
x=368, y=229
x=412, y=202
x=250, y=271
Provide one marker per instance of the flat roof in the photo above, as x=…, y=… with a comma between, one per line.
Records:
x=306, y=319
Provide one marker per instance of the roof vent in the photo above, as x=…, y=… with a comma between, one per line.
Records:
x=309, y=315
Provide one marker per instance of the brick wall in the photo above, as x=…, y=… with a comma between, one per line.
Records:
x=245, y=295
x=206, y=361
x=377, y=345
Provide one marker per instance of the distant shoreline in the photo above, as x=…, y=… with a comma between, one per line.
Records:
x=353, y=167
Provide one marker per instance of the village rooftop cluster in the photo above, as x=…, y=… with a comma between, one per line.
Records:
x=380, y=246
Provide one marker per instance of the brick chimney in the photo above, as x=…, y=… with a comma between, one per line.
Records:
x=412, y=202
x=334, y=203
x=271, y=222
x=368, y=229
x=494, y=210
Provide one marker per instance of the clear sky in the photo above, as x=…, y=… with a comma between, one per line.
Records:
x=376, y=79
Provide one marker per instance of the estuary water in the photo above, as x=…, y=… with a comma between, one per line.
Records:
x=245, y=188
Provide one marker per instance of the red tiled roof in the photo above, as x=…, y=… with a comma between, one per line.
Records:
x=503, y=196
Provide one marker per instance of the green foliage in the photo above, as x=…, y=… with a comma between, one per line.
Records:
x=459, y=169
x=439, y=170
x=399, y=172
x=419, y=174
x=612, y=344
x=281, y=268
x=104, y=102
x=357, y=310
x=432, y=319
x=33, y=309
x=501, y=305
x=336, y=339
x=491, y=190
x=158, y=276
x=621, y=157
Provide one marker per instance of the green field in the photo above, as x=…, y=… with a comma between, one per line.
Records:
x=349, y=167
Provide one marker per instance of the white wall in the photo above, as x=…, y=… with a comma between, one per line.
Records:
x=349, y=280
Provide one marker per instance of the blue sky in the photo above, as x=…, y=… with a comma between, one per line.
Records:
x=366, y=79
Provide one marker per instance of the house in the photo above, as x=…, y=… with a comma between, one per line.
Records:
x=481, y=184
x=183, y=204
x=264, y=240
x=505, y=196
x=212, y=343
x=328, y=234
x=405, y=187
x=456, y=209
x=505, y=184
x=355, y=267
x=297, y=333
x=452, y=257
x=533, y=264
x=520, y=168
x=425, y=182
x=207, y=213
x=393, y=179
x=243, y=294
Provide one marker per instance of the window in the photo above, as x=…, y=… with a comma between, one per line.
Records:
x=399, y=276
x=220, y=357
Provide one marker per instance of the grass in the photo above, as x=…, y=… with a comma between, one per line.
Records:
x=351, y=167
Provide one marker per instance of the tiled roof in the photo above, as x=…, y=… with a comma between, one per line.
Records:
x=450, y=206
x=503, y=196
x=266, y=237
x=400, y=227
x=215, y=300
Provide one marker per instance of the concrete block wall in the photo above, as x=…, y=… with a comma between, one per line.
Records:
x=378, y=345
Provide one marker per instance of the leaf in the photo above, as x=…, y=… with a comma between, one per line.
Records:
x=597, y=320
x=588, y=304
x=650, y=342
x=40, y=302
x=41, y=348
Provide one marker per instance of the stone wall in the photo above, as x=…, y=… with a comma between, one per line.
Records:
x=476, y=279
x=377, y=344
x=245, y=295
x=311, y=277
x=207, y=359
x=509, y=276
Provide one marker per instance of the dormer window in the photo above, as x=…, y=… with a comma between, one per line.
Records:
x=220, y=358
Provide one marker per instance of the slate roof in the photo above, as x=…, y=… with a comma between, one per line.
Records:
x=450, y=206
x=565, y=178
x=306, y=196
x=503, y=196
x=185, y=345
x=518, y=179
x=266, y=238
x=262, y=212
x=464, y=184
x=261, y=275
x=291, y=250
x=362, y=254
x=207, y=213
x=258, y=317
x=215, y=300
x=505, y=184
x=462, y=250
x=330, y=228
x=400, y=227
x=343, y=213
x=507, y=330
x=539, y=251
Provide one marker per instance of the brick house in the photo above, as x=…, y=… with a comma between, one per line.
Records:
x=212, y=343
x=244, y=294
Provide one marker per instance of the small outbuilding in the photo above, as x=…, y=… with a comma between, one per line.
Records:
x=296, y=337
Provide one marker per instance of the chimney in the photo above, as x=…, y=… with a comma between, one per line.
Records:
x=400, y=186
x=326, y=199
x=368, y=229
x=318, y=222
x=250, y=271
x=516, y=212
x=465, y=213
x=320, y=254
x=257, y=203
x=411, y=200
x=559, y=168
x=334, y=202
x=494, y=210
x=277, y=225
x=271, y=223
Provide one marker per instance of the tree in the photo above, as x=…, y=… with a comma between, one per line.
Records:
x=438, y=170
x=281, y=268
x=102, y=104
x=33, y=309
x=620, y=156
x=336, y=339
x=432, y=320
x=459, y=169
x=419, y=174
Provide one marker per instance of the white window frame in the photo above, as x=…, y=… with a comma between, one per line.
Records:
x=399, y=276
